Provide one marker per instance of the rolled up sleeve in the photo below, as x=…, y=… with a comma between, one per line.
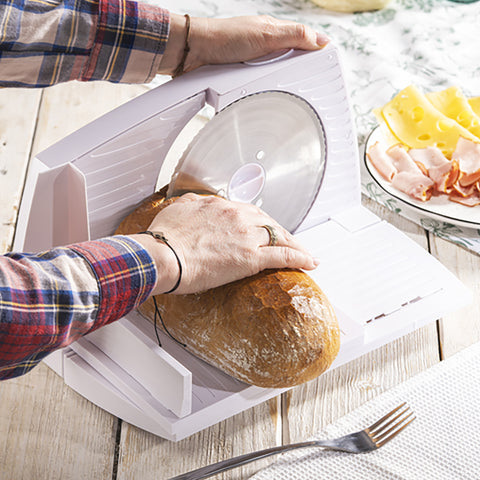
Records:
x=47, y=42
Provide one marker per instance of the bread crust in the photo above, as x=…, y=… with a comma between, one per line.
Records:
x=275, y=329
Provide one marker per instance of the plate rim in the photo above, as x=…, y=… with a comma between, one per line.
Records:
x=428, y=212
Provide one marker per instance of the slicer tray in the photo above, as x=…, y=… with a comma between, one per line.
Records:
x=378, y=298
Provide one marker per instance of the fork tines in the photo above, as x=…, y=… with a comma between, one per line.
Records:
x=390, y=425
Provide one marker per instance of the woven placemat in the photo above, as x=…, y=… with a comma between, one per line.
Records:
x=442, y=443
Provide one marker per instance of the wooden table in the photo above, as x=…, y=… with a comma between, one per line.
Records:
x=48, y=431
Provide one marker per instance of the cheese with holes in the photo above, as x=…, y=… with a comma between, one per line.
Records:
x=454, y=104
x=475, y=104
x=418, y=124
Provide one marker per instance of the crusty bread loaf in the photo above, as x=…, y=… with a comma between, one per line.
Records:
x=275, y=329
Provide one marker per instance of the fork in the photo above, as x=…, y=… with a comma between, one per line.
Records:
x=371, y=438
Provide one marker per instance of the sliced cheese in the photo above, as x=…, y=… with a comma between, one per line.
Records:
x=418, y=124
x=454, y=104
x=388, y=135
x=475, y=104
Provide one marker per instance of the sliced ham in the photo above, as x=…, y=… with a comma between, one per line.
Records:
x=381, y=161
x=467, y=153
x=417, y=185
x=453, y=177
x=410, y=178
x=402, y=161
x=433, y=163
x=423, y=172
x=459, y=191
x=472, y=201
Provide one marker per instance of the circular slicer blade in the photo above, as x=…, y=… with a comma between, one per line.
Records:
x=267, y=149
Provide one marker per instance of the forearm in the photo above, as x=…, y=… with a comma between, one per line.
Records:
x=231, y=40
x=43, y=43
x=49, y=300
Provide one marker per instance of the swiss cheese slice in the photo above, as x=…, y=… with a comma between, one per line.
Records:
x=475, y=104
x=388, y=135
x=418, y=124
x=454, y=104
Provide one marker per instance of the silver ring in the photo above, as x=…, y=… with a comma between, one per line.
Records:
x=273, y=235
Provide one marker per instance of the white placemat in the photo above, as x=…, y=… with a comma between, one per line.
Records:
x=443, y=443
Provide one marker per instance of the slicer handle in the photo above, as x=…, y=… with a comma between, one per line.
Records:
x=270, y=58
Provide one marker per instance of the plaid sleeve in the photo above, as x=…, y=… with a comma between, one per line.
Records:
x=43, y=42
x=49, y=300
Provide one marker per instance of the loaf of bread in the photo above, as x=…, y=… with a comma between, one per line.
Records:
x=275, y=329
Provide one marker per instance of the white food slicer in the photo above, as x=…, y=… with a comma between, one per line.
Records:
x=282, y=138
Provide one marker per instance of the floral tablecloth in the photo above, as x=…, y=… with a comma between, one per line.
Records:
x=430, y=43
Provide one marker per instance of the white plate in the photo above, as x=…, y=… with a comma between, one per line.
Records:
x=440, y=208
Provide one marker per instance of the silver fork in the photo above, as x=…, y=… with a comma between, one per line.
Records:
x=371, y=438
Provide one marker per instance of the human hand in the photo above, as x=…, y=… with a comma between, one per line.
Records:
x=237, y=39
x=219, y=241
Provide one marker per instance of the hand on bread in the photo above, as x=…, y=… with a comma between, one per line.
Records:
x=218, y=242
x=228, y=40
x=273, y=328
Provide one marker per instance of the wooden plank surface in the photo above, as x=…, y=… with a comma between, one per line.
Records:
x=48, y=431
x=460, y=329
x=19, y=108
x=145, y=456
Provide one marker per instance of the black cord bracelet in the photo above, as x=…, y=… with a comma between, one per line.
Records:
x=160, y=236
x=159, y=315
x=180, y=68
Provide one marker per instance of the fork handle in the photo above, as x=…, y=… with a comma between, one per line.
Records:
x=230, y=463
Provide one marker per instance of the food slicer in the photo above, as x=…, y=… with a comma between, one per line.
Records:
x=283, y=138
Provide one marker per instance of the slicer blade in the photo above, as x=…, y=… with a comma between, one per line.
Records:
x=267, y=149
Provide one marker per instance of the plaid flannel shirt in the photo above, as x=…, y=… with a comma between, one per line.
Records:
x=50, y=299
x=43, y=42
